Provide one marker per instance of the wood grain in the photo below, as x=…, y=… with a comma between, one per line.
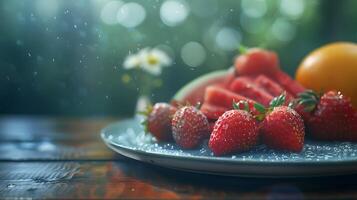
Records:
x=66, y=159
x=131, y=179
x=56, y=150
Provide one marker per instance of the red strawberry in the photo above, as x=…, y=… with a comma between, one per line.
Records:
x=212, y=111
x=234, y=131
x=211, y=126
x=333, y=118
x=158, y=121
x=247, y=88
x=224, y=98
x=306, y=116
x=256, y=61
x=189, y=127
x=283, y=129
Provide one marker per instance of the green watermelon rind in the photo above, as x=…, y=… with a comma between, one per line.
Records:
x=186, y=89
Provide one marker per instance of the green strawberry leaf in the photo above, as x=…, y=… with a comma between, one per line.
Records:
x=278, y=101
x=235, y=106
x=260, y=108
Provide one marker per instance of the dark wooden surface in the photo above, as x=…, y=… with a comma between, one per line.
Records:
x=65, y=159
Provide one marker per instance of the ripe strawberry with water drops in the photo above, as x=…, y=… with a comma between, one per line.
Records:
x=234, y=131
x=189, y=127
x=333, y=117
x=283, y=129
x=158, y=121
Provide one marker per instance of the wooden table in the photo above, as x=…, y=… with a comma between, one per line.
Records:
x=66, y=159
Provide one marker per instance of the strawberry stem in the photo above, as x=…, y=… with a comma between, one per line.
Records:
x=237, y=106
x=243, y=49
x=278, y=101
x=260, y=108
x=308, y=99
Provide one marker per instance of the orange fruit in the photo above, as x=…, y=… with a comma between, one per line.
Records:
x=331, y=67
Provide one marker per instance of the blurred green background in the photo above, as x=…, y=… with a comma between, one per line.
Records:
x=65, y=57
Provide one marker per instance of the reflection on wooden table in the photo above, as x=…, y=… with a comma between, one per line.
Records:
x=65, y=158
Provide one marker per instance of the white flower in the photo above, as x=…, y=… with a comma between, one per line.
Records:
x=132, y=61
x=150, y=60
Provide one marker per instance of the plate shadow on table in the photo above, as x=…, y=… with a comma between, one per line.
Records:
x=213, y=185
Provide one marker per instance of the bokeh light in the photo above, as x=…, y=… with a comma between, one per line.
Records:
x=131, y=15
x=47, y=8
x=193, y=54
x=174, y=12
x=228, y=39
x=283, y=30
x=292, y=8
x=252, y=25
x=254, y=8
x=109, y=12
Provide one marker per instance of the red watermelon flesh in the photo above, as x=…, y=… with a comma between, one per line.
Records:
x=247, y=88
x=224, y=98
x=272, y=87
x=212, y=112
x=289, y=84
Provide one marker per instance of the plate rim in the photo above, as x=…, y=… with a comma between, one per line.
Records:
x=226, y=160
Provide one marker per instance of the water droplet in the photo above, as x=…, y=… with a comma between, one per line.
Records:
x=75, y=26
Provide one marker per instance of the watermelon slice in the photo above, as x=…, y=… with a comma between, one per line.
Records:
x=271, y=87
x=193, y=92
x=212, y=112
x=247, y=88
x=224, y=98
x=288, y=83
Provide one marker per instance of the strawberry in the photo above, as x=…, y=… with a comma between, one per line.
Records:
x=333, y=117
x=224, y=98
x=189, y=127
x=158, y=121
x=306, y=116
x=283, y=129
x=247, y=88
x=212, y=111
x=211, y=126
x=234, y=131
x=256, y=61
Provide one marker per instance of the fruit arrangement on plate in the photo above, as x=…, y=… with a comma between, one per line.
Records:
x=252, y=103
